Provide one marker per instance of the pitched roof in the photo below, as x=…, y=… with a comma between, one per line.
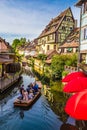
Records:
x=80, y=2
x=50, y=53
x=72, y=40
x=6, y=43
x=48, y=61
x=54, y=24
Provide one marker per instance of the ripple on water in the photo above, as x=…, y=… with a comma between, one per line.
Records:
x=38, y=117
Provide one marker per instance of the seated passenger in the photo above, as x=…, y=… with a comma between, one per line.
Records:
x=31, y=95
x=29, y=87
x=35, y=87
x=21, y=92
x=25, y=95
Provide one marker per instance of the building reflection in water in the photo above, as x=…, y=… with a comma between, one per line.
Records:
x=48, y=93
x=57, y=102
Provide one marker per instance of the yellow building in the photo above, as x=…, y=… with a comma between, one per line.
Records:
x=56, y=32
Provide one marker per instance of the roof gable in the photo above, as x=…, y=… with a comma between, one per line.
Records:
x=55, y=23
x=4, y=46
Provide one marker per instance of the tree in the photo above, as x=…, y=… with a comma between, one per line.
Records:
x=58, y=62
x=42, y=57
x=15, y=43
x=22, y=41
x=57, y=65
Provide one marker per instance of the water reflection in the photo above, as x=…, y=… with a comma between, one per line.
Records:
x=48, y=93
x=39, y=117
x=46, y=114
x=57, y=102
x=21, y=113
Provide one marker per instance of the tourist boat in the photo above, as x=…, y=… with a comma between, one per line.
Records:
x=23, y=103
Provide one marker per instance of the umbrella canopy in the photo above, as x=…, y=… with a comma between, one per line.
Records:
x=68, y=127
x=76, y=85
x=76, y=105
x=73, y=75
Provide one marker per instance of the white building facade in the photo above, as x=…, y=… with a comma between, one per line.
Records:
x=83, y=31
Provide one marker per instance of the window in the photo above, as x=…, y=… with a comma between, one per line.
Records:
x=71, y=28
x=63, y=28
x=65, y=18
x=54, y=47
x=53, y=36
x=48, y=37
x=68, y=19
x=69, y=49
x=85, y=33
x=48, y=47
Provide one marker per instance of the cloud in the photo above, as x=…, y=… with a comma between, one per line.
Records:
x=28, y=17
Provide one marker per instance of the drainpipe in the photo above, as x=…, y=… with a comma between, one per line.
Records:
x=79, y=56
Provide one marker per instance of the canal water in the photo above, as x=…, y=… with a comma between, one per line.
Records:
x=46, y=114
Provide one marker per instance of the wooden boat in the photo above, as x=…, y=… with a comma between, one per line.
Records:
x=23, y=103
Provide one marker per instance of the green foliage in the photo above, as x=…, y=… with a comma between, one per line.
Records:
x=57, y=66
x=42, y=57
x=58, y=62
x=64, y=73
x=72, y=61
x=18, y=42
x=15, y=43
x=22, y=41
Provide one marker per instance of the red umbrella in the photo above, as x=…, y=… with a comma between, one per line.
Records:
x=76, y=85
x=76, y=106
x=73, y=75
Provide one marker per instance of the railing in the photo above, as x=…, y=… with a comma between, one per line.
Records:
x=6, y=51
x=70, y=68
x=7, y=82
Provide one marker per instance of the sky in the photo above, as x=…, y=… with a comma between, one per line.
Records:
x=27, y=18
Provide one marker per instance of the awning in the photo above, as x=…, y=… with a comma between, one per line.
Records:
x=69, y=49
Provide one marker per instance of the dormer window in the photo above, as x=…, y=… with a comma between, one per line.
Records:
x=71, y=28
x=65, y=18
x=68, y=19
x=63, y=28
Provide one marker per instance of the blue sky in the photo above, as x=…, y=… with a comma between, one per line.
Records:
x=27, y=18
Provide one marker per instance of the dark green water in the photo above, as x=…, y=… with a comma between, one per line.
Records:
x=46, y=114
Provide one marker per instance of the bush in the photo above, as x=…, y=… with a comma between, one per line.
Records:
x=64, y=73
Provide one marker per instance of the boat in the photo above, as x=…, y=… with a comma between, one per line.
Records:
x=24, y=103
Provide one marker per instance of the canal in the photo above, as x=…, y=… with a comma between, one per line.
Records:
x=46, y=114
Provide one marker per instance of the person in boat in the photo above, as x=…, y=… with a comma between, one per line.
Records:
x=35, y=87
x=29, y=87
x=21, y=92
x=31, y=95
x=25, y=95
